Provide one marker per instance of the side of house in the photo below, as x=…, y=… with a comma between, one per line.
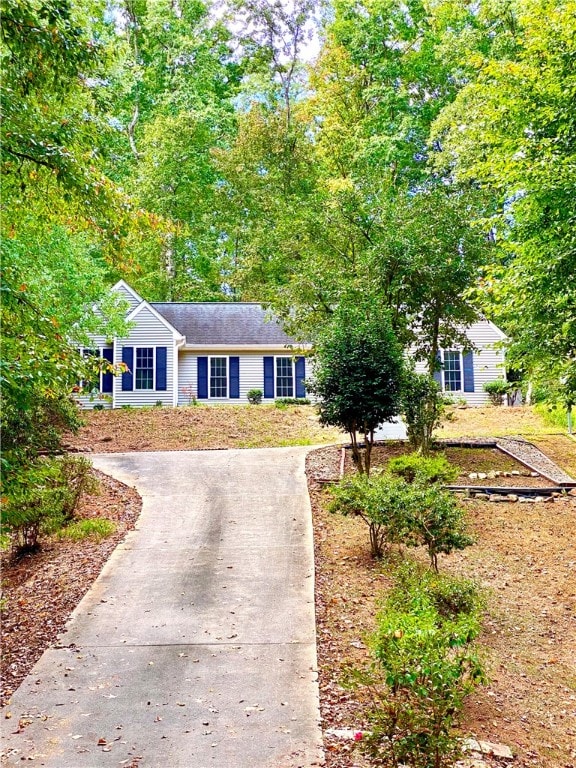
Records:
x=462, y=374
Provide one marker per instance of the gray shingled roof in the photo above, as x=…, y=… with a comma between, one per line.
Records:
x=223, y=323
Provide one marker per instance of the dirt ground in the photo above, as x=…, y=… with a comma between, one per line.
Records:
x=200, y=427
x=524, y=556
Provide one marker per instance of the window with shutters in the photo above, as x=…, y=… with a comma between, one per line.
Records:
x=144, y=368
x=218, y=377
x=452, y=371
x=284, y=377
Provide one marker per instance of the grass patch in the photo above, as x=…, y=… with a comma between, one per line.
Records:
x=96, y=528
x=495, y=421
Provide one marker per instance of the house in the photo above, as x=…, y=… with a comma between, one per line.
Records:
x=216, y=352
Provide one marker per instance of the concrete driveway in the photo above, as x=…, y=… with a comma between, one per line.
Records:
x=196, y=645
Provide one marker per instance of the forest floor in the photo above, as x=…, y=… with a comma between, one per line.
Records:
x=525, y=556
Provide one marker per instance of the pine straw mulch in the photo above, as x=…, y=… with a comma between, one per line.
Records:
x=41, y=589
x=525, y=556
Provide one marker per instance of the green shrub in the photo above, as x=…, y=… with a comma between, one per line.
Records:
x=425, y=664
x=382, y=501
x=450, y=596
x=43, y=497
x=99, y=407
x=97, y=527
x=283, y=401
x=423, y=469
x=77, y=478
x=34, y=504
x=254, y=396
x=496, y=390
x=437, y=522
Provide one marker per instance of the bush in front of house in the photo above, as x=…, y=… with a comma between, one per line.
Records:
x=496, y=390
x=254, y=396
x=425, y=664
x=358, y=365
x=396, y=511
x=281, y=402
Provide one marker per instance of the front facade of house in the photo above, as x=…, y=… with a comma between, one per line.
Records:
x=215, y=352
x=211, y=352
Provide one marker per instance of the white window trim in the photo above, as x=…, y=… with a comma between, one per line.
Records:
x=153, y=348
x=461, y=361
x=227, y=395
x=293, y=361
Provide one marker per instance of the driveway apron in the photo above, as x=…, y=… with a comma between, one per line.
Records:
x=195, y=647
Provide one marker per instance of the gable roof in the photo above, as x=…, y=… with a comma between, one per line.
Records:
x=224, y=323
x=164, y=320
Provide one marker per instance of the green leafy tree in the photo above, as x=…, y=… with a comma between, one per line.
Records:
x=511, y=129
x=357, y=370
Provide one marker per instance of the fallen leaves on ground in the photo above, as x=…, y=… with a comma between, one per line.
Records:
x=41, y=589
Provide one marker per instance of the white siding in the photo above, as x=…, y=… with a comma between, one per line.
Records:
x=489, y=363
x=148, y=331
x=251, y=374
x=132, y=300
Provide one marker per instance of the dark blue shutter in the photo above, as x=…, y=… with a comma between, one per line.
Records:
x=300, y=376
x=161, y=363
x=468, y=365
x=107, y=378
x=202, y=378
x=438, y=373
x=234, y=374
x=128, y=377
x=268, y=376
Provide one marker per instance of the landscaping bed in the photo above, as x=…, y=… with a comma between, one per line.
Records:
x=525, y=557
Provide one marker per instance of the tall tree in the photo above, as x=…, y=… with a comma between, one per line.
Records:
x=512, y=128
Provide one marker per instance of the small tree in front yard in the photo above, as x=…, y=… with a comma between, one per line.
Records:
x=423, y=407
x=358, y=367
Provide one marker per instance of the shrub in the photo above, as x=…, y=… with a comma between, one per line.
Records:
x=44, y=497
x=254, y=396
x=99, y=407
x=437, y=522
x=282, y=401
x=76, y=478
x=358, y=366
x=496, y=390
x=98, y=528
x=34, y=504
x=382, y=501
x=424, y=666
x=423, y=406
x=416, y=468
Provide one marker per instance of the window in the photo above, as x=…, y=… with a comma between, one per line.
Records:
x=93, y=383
x=144, y=368
x=218, y=377
x=101, y=378
x=284, y=377
x=452, y=371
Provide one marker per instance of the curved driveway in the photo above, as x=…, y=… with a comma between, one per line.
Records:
x=196, y=645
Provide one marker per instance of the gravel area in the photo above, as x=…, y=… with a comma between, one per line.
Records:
x=529, y=454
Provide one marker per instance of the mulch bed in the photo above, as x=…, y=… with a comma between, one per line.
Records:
x=524, y=557
x=41, y=589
